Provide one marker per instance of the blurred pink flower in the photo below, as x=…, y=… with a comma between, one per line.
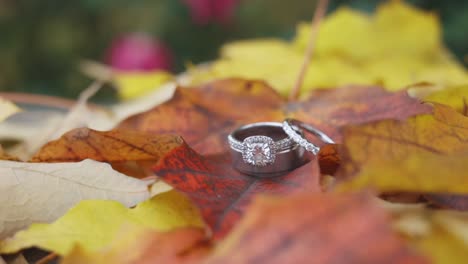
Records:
x=206, y=11
x=138, y=52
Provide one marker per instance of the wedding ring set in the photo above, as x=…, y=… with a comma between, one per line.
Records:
x=268, y=149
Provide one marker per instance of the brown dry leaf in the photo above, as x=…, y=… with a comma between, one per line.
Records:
x=409, y=156
x=314, y=228
x=128, y=151
x=206, y=115
x=108, y=146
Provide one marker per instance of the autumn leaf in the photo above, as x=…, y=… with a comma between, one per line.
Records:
x=129, y=152
x=132, y=85
x=207, y=114
x=439, y=234
x=92, y=225
x=415, y=172
x=324, y=228
x=385, y=49
x=182, y=245
x=223, y=193
x=34, y=128
x=206, y=117
x=454, y=96
x=276, y=229
x=426, y=153
x=108, y=146
x=205, y=125
x=41, y=192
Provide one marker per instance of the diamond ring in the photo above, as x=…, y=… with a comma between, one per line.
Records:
x=291, y=126
x=264, y=149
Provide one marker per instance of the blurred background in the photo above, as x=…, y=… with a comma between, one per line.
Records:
x=42, y=42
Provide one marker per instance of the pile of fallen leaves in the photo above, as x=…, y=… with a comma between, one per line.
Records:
x=150, y=180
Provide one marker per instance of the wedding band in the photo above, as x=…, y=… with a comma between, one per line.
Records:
x=264, y=149
x=290, y=127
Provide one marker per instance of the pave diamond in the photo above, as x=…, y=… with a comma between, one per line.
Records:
x=259, y=151
x=299, y=139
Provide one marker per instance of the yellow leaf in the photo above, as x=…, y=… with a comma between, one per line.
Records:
x=255, y=59
x=415, y=172
x=94, y=224
x=136, y=84
x=454, y=96
x=397, y=46
x=343, y=34
x=405, y=30
x=7, y=109
x=426, y=153
x=136, y=245
x=440, y=235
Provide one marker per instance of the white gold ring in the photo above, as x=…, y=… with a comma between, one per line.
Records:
x=264, y=149
x=291, y=126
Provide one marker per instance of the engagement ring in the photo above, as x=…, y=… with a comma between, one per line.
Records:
x=265, y=150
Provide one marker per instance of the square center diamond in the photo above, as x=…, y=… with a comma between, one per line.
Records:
x=259, y=151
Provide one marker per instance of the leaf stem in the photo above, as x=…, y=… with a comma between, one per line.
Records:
x=319, y=13
x=47, y=259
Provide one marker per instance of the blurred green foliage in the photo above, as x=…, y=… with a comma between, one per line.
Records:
x=42, y=42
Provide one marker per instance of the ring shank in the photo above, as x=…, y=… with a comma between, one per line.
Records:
x=290, y=127
x=322, y=136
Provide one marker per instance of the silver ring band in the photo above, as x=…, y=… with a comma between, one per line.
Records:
x=261, y=128
x=290, y=127
x=264, y=150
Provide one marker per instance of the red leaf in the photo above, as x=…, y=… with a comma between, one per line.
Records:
x=221, y=192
